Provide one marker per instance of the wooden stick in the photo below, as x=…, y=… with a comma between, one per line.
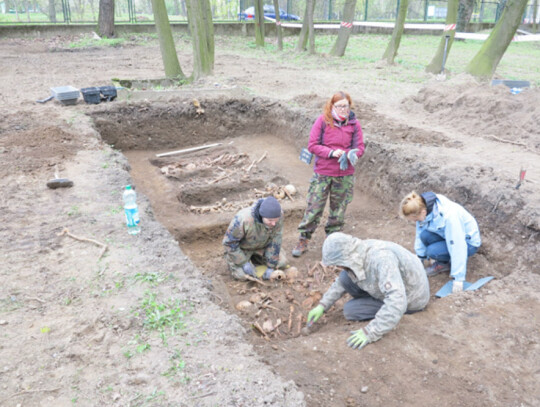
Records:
x=511, y=142
x=299, y=317
x=187, y=150
x=30, y=391
x=84, y=239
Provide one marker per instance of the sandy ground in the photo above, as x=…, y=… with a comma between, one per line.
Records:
x=90, y=315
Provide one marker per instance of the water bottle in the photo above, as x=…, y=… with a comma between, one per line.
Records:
x=131, y=211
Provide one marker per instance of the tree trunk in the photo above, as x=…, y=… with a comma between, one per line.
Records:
x=465, y=10
x=106, y=18
x=202, y=37
x=485, y=62
x=279, y=34
x=166, y=41
x=259, y=23
x=311, y=28
x=176, y=8
x=436, y=65
x=307, y=31
x=393, y=46
x=338, y=50
x=535, y=15
x=52, y=11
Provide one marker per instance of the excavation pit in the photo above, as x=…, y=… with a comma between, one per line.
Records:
x=196, y=194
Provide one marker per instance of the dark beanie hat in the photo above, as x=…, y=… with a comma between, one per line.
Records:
x=270, y=208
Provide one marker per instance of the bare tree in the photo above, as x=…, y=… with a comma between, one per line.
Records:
x=52, y=11
x=487, y=59
x=259, y=23
x=436, y=65
x=106, y=18
x=307, y=33
x=535, y=15
x=166, y=41
x=279, y=34
x=465, y=10
x=202, y=36
x=393, y=46
x=344, y=33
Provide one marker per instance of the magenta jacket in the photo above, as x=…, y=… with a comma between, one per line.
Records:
x=324, y=138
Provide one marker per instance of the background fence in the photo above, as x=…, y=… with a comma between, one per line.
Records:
x=140, y=11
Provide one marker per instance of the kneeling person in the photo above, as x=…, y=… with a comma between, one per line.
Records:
x=254, y=238
x=384, y=279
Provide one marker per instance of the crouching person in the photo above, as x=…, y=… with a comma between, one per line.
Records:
x=384, y=279
x=254, y=239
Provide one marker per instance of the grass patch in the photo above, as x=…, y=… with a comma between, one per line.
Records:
x=88, y=42
x=415, y=52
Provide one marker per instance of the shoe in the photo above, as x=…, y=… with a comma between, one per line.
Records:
x=437, y=268
x=301, y=247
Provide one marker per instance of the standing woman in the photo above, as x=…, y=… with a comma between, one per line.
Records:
x=336, y=141
x=445, y=232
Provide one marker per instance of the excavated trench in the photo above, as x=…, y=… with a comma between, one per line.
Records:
x=254, y=146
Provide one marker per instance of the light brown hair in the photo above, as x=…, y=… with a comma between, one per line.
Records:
x=412, y=204
x=327, y=111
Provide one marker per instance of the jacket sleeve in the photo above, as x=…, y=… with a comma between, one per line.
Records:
x=271, y=253
x=234, y=234
x=454, y=234
x=419, y=246
x=334, y=293
x=385, y=264
x=358, y=140
x=315, y=138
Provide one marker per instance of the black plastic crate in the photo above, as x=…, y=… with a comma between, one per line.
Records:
x=91, y=95
x=108, y=92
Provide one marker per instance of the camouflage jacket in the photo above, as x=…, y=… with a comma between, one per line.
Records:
x=385, y=270
x=247, y=233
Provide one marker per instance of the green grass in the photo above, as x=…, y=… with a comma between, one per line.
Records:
x=164, y=316
x=521, y=60
x=88, y=42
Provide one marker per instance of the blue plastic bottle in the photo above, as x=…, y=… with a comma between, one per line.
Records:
x=131, y=211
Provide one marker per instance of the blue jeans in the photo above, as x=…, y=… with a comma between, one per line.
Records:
x=436, y=248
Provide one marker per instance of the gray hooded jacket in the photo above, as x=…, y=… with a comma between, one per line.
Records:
x=385, y=270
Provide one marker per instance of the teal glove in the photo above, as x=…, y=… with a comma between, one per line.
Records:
x=358, y=339
x=315, y=314
x=353, y=158
x=343, y=163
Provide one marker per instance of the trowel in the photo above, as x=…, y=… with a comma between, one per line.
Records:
x=58, y=182
x=447, y=288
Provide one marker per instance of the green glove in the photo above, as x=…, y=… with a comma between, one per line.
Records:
x=358, y=339
x=315, y=314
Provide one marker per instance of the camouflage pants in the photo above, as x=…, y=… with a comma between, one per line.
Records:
x=339, y=190
x=257, y=258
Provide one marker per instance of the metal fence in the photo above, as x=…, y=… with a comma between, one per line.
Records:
x=140, y=11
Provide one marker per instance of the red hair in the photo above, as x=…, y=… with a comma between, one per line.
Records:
x=327, y=111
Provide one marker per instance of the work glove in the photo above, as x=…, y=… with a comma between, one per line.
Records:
x=267, y=273
x=249, y=269
x=358, y=339
x=353, y=158
x=457, y=286
x=343, y=163
x=315, y=314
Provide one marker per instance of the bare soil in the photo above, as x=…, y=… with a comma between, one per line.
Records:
x=79, y=300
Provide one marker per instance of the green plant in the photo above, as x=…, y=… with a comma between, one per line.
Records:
x=166, y=315
x=151, y=278
x=73, y=211
x=177, y=364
